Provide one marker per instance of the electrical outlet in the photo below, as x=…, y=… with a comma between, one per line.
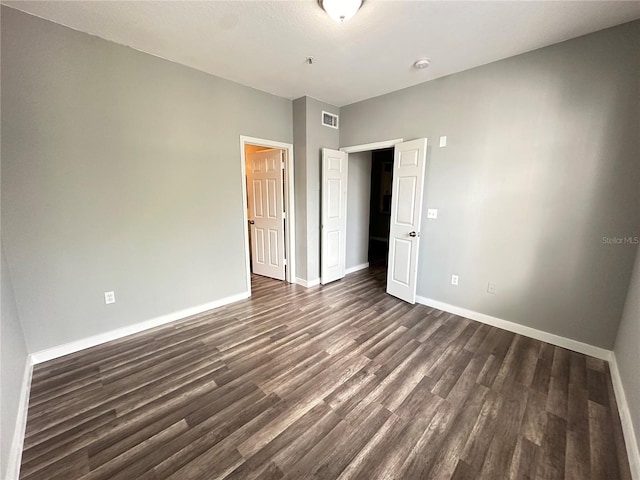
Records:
x=491, y=288
x=443, y=141
x=109, y=297
x=432, y=213
x=454, y=280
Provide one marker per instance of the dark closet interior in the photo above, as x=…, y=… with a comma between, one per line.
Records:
x=380, y=206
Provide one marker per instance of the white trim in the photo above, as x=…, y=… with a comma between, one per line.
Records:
x=290, y=237
x=308, y=283
x=551, y=338
x=356, y=268
x=77, y=345
x=17, y=442
x=633, y=453
x=365, y=147
x=289, y=198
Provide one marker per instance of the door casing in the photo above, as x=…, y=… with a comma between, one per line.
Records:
x=289, y=202
x=373, y=146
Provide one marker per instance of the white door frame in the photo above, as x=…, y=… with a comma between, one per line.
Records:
x=367, y=147
x=290, y=225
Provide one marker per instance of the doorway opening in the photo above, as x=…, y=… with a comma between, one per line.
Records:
x=269, y=217
x=369, y=195
x=401, y=202
x=380, y=207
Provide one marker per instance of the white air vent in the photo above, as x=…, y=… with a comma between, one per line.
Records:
x=329, y=120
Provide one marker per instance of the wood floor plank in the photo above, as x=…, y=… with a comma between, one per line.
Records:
x=535, y=417
x=335, y=451
x=542, y=375
x=481, y=435
x=445, y=458
x=500, y=453
x=604, y=463
x=523, y=465
x=551, y=461
x=335, y=381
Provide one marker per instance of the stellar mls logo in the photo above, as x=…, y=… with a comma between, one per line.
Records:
x=621, y=240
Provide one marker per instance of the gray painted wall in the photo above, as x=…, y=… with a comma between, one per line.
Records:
x=14, y=360
x=627, y=348
x=120, y=171
x=300, y=183
x=310, y=136
x=318, y=137
x=358, y=198
x=542, y=162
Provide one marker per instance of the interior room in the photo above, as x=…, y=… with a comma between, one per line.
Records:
x=320, y=239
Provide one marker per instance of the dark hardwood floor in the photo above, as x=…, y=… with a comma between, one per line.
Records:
x=341, y=381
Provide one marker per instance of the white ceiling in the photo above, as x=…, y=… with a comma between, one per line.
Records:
x=264, y=43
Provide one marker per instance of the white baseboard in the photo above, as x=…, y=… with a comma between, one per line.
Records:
x=551, y=338
x=308, y=283
x=15, y=453
x=630, y=439
x=362, y=266
x=75, y=346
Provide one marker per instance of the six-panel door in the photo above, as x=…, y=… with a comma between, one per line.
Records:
x=406, y=213
x=265, y=200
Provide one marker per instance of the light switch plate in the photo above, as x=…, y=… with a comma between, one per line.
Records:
x=432, y=213
x=443, y=141
x=491, y=288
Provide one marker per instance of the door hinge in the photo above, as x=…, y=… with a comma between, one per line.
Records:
x=282, y=165
x=284, y=261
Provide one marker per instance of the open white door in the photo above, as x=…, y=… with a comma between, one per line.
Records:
x=265, y=196
x=334, y=215
x=406, y=212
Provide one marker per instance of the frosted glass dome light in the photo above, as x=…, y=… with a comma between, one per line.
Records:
x=341, y=10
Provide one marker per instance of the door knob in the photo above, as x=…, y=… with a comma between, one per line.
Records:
x=251, y=222
x=414, y=234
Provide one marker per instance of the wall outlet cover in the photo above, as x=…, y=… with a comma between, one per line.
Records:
x=443, y=141
x=491, y=288
x=109, y=297
x=454, y=279
x=432, y=213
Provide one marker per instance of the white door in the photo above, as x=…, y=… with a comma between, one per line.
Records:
x=334, y=215
x=406, y=211
x=265, y=200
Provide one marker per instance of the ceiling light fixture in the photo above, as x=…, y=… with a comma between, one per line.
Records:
x=422, y=63
x=341, y=10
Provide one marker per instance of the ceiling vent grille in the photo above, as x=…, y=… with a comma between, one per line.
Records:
x=329, y=120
